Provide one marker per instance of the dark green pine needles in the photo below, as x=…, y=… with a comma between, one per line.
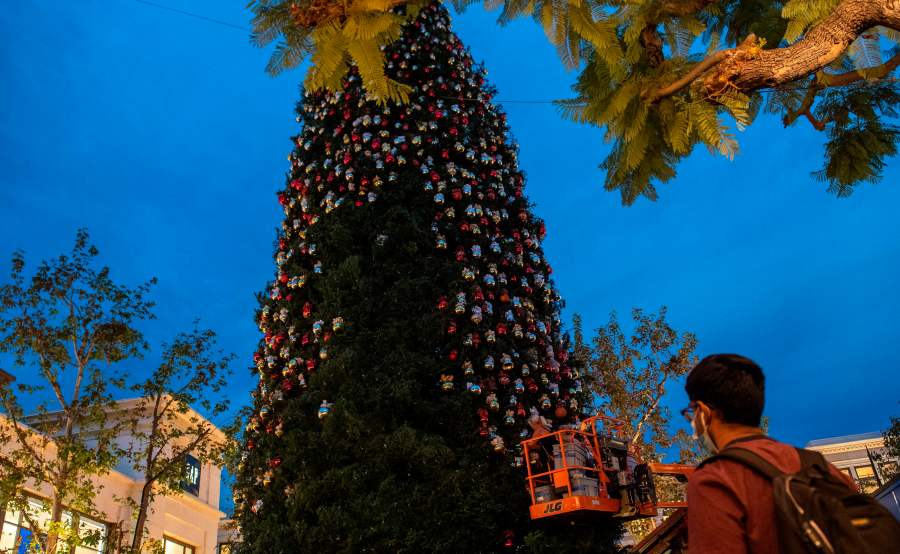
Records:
x=410, y=331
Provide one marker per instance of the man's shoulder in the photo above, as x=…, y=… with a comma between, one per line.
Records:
x=781, y=455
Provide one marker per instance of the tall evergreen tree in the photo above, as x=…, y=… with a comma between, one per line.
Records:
x=411, y=328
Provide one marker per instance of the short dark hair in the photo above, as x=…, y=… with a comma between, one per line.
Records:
x=732, y=384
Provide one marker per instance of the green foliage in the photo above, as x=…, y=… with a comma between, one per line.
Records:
x=889, y=460
x=334, y=35
x=630, y=375
x=63, y=326
x=59, y=324
x=650, y=135
x=164, y=429
x=860, y=136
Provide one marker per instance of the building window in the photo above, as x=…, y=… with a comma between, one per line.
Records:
x=191, y=482
x=93, y=533
x=865, y=477
x=171, y=546
x=16, y=534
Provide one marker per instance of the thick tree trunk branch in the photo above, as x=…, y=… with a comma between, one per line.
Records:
x=639, y=428
x=320, y=11
x=750, y=69
x=685, y=7
x=690, y=76
x=747, y=68
x=653, y=45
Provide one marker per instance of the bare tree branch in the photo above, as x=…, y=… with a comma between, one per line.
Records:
x=23, y=436
x=175, y=458
x=843, y=79
x=660, y=390
x=690, y=76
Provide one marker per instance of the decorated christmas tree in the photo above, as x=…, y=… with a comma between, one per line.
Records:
x=412, y=327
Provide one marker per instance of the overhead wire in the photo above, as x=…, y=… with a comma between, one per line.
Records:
x=194, y=15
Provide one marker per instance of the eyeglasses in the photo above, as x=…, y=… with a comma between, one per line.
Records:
x=688, y=413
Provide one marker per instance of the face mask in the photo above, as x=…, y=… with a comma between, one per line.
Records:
x=706, y=442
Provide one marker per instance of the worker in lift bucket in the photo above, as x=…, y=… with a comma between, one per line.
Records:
x=540, y=427
x=626, y=493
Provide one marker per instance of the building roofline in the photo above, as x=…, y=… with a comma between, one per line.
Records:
x=6, y=377
x=858, y=437
x=127, y=404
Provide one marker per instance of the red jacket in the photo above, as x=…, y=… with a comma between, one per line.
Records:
x=730, y=507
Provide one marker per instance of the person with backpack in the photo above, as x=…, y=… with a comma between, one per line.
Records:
x=757, y=495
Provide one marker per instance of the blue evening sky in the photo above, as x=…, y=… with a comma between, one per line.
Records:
x=163, y=135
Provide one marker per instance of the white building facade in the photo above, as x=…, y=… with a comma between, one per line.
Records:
x=186, y=523
x=854, y=455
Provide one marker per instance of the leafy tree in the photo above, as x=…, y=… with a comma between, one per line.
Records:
x=888, y=459
x=60, y=325
x=660, y=76
x=68, y=324
x=630, y=375
x=892, y=438
x=164, y=430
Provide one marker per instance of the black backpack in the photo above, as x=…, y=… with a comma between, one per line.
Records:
x=817, y=512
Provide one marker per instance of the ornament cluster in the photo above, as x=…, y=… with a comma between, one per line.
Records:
x=502, y=343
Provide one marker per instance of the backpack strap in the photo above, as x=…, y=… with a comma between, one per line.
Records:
x=810, y=458
x=747, y=459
